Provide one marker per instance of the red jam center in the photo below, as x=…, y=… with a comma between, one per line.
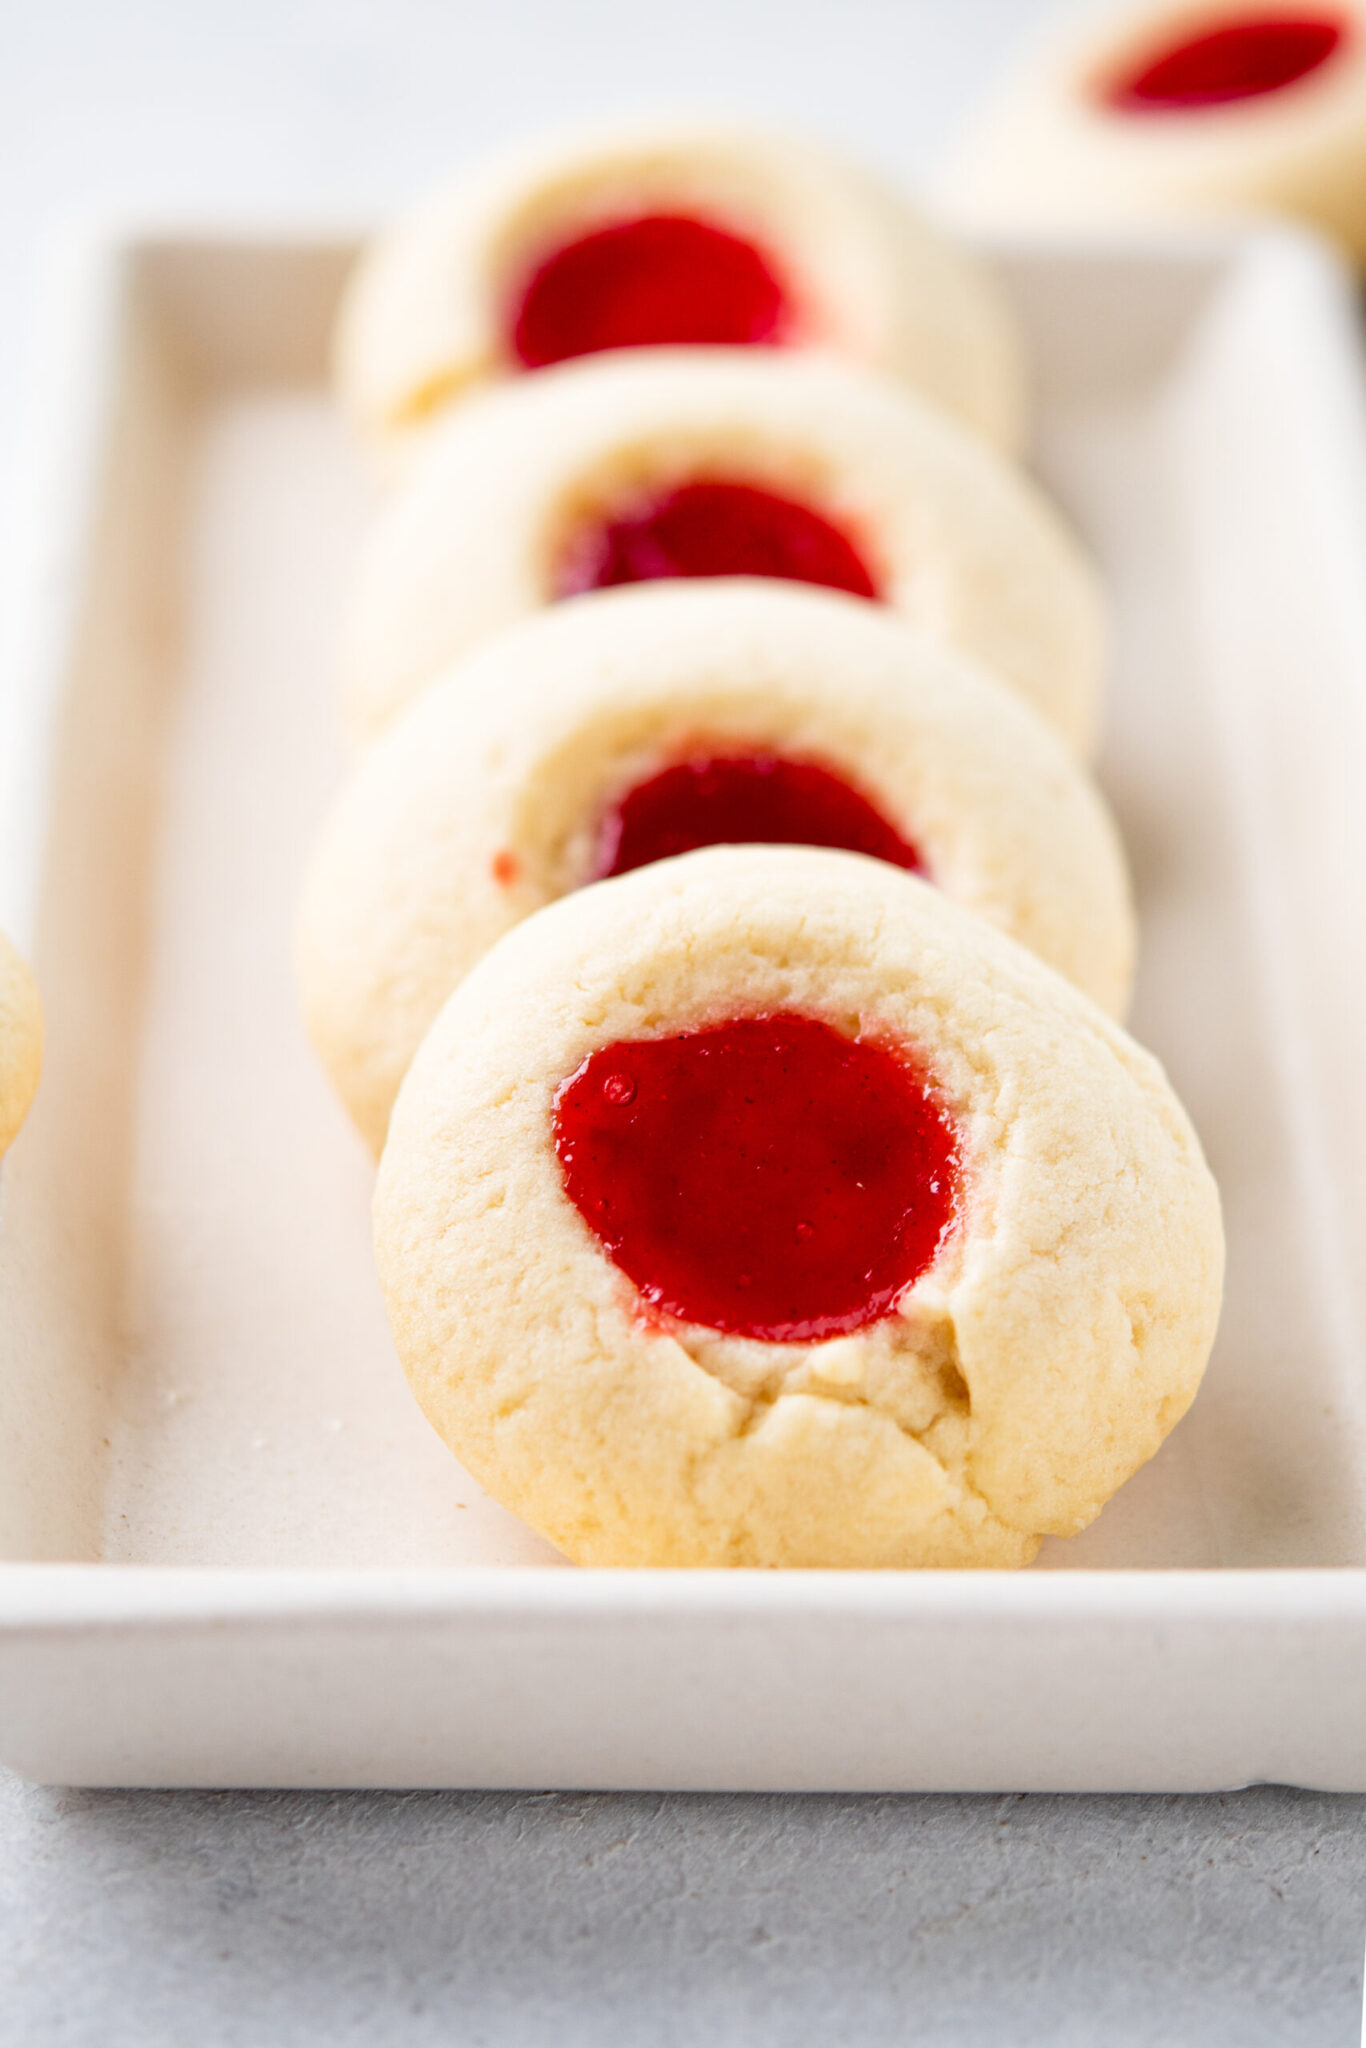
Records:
x=662, y=280
x=739, y=800
x=1240, y=60
x=766, y=1177
x=709, y=528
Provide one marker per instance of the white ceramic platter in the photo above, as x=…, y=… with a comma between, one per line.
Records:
x=235, y=1555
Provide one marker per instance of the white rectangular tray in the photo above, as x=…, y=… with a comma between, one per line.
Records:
x=235, y=1553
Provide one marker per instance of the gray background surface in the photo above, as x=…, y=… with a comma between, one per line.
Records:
x=563, y=1919
x=511, y=1919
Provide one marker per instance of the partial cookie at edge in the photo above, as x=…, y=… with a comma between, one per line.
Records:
x=21, y=1042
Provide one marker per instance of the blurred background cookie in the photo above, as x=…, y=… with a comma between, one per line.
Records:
x=1179, y=108
x=667, y=233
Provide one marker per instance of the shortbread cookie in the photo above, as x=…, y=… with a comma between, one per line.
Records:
x=673, y=234
x=1178, y=106
x=765, y=1207
x=634, y=724
x=626, y=468
x=21, y=1042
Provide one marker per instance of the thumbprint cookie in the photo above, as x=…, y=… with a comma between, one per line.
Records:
x=660, y=464
x=765, y=1207
x=675, y=235
x=597, y=737
x=1160, y=110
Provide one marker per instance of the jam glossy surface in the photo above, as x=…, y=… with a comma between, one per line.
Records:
x=743, y=799
x=714, y=528
x=767, y=1177
x=1237, y=60
x=664, y=279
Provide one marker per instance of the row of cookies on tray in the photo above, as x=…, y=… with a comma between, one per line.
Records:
x=720, y=934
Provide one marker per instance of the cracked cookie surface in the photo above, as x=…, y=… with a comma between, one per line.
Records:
x=1056, y=1337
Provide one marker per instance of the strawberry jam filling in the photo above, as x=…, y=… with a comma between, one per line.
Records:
x=665, y=279
x=711, y=528
x=767, y=1176
x=743, y=799
x=1237, y=60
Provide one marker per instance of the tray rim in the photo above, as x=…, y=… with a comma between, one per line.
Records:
x=40, y=1598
